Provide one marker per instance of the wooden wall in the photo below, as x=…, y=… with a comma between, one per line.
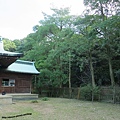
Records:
x=22, y=82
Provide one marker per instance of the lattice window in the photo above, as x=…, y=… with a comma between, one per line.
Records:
x=8, y=82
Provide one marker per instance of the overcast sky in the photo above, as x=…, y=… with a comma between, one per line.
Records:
x=17, y=17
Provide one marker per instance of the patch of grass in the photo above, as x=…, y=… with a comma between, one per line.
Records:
x=34, y=101
x=62, y=109
x=45, y=99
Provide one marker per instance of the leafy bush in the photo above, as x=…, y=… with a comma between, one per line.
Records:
x=34, y=101
x=87, y=91
x=96, y=93
x=45, y=99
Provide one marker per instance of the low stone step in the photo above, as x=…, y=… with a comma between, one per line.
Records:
x=5, y=99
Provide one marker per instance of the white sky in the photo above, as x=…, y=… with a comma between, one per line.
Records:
x=17, y=17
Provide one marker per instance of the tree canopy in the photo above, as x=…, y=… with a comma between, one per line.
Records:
x=71, y=50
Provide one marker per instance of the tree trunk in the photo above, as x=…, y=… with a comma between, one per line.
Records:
x=110, y=67
x=69, y=71
x=92, y=70
x=111, y=72
x=101, y=10
x=78, y=96
x=108, y=49
x=70, y=91
x=92, y=74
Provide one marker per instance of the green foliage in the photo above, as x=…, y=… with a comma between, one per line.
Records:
x=34, y=101
x=75, y=49
x=9, y=45
x=45, y=99
x=87, y=91
x=109, y=6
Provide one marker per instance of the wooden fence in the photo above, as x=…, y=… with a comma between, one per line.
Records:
x=106, y=94
x=109, y=94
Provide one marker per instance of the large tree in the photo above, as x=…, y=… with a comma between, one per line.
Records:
x=106, y=9
x=9, y=45
x=87, y=41
x=52, y=37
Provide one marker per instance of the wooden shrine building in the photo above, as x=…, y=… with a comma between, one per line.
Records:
x=15, y=75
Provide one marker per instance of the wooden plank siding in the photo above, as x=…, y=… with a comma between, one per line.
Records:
x=22, y=82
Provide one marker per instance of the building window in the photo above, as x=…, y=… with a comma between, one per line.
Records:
x=8, y=82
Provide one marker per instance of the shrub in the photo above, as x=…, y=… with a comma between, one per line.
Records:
x=87, y=91
x=34, y=101
x=96, y=93
x=45, y=99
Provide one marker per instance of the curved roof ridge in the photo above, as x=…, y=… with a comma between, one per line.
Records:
x=24, y=62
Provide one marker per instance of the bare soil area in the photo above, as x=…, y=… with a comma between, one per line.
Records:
x=60, y=109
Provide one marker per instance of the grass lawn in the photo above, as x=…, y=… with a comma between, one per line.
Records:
x=61, y=109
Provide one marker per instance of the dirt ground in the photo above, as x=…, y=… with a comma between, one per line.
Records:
x=60, y=109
